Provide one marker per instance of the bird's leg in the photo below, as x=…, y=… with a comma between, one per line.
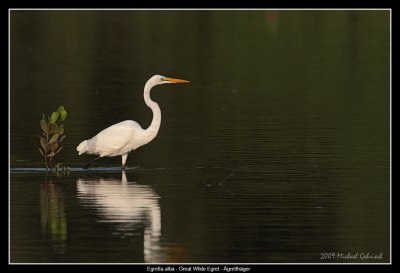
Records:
x=90, y=162
x=124, y=158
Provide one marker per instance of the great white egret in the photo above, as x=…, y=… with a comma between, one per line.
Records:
x=132, y=209
x=128, y=135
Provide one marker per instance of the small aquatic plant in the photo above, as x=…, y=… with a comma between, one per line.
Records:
x=60, y=169
x=52, y=136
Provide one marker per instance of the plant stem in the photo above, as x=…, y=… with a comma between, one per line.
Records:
x=45, y=155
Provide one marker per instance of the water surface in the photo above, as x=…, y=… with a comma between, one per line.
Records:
x=277, y=151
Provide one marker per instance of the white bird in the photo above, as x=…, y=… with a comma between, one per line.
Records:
x=128, y=135
x=130, y=207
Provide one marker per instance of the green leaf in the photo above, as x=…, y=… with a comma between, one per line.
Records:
x=54, y=117
x=60, y=108
x=59, y=130
x=53, y=138
x=44, y=125
x=43, y=142
x=54, y=146
x=53, y=128
x=63, y=114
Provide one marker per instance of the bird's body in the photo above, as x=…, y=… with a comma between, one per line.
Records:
x=123, y=137
x=118, y=139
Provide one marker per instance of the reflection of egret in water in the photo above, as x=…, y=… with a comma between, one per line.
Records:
x=129, y=206
x=52, y=214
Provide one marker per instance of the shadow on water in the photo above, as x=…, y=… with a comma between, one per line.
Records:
x=53, y=218
x=131, y=208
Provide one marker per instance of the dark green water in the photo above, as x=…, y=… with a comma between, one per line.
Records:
x=277, y=151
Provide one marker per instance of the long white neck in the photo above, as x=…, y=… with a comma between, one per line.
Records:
x=152, y=131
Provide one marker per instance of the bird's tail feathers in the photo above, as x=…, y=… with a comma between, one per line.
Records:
x=82, y=148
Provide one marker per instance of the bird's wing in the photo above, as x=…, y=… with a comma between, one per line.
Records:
x=114, y=140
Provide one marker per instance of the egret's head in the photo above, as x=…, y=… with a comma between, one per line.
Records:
x=158, y=79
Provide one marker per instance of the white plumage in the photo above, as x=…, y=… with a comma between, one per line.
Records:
x=128, y=135
x=130, y=207
x=114, y=140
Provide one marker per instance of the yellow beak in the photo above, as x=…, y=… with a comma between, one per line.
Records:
x=174, y=80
